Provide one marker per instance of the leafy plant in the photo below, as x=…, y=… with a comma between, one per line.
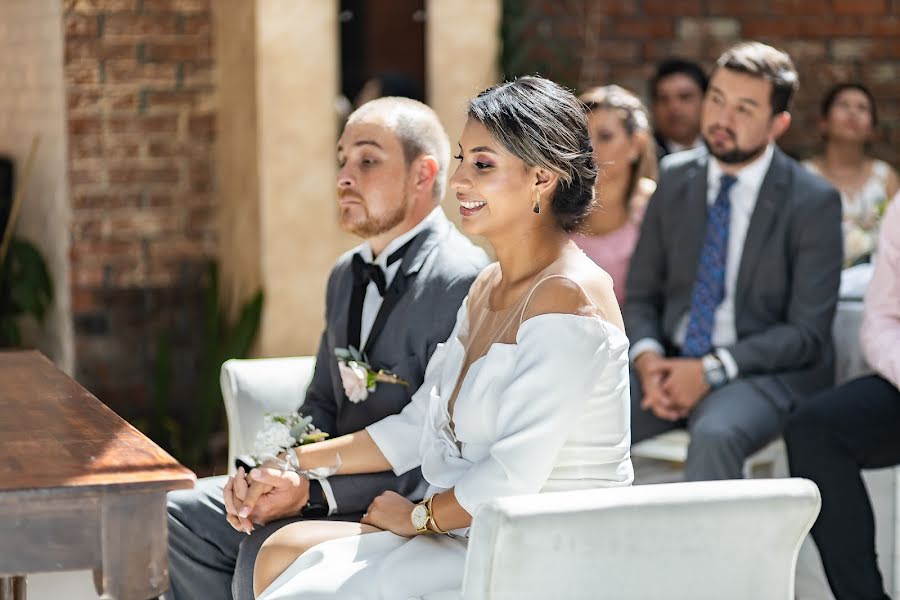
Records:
x=25, y=289
x=221, y=342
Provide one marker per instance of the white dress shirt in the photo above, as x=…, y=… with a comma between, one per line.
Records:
x=372, y=304
x=743, y=197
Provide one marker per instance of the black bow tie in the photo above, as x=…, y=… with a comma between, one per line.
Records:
x=364, y=272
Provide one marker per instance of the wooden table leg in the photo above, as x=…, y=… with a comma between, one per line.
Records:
x=134, y=563
x=12, y=588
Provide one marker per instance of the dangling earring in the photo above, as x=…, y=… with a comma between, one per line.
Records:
x=537, y=201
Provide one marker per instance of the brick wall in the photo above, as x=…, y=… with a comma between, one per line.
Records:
x=594, y=42
x=141, y=123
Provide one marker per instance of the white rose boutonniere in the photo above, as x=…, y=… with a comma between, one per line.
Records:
x=358, y=377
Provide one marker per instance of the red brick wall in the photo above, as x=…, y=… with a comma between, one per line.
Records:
x=594, y=42
x=141, y=119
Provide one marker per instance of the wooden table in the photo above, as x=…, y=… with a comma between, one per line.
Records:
x=79, y=487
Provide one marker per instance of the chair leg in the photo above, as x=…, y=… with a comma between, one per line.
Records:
x=19, y=587
x=12, y=588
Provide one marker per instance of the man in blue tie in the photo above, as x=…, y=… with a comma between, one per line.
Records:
x=733, y=285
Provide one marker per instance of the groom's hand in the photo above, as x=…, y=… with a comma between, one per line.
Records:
x=685, y=384
x=274, y=494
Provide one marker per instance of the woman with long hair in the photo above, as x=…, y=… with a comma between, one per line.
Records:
x=627, y=171
x=530, y=392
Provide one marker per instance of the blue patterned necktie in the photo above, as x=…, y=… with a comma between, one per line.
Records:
x=709, y=288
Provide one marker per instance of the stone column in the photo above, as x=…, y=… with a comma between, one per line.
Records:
x=278, y=80
x=462, y=41
x=33, y=104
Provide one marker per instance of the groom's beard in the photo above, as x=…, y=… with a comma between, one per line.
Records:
x=736, y=155
x=370, y=225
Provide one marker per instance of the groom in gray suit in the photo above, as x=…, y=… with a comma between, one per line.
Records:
x=395, y=298
x=733, y=285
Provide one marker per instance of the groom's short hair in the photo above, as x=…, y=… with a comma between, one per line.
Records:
x=418, y=129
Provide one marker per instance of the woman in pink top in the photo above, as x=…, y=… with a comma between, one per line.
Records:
x=625, y=156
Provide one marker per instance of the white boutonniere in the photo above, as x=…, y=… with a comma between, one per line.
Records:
x=358, y=377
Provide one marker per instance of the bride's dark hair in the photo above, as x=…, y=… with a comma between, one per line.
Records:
x=545, y=125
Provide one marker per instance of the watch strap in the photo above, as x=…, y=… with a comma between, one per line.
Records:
x=317, y=505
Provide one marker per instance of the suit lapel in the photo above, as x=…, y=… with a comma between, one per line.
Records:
x=774, y=186
x=693, y=218
x=421, y=247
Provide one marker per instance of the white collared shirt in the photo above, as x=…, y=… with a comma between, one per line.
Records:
x=743, y=197
x=372, y=303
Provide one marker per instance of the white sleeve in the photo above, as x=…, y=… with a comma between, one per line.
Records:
x=398, y=436
x=556, y=362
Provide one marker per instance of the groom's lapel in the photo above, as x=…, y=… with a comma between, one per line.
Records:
x=422, y=245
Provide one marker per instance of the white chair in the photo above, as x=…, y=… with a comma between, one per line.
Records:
x=251, y=388
x=672, y=447
x=711, y=540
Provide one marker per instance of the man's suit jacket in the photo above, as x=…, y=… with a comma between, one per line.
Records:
x=429, y=288
x=788, y=280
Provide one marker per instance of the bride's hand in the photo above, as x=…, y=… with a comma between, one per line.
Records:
x=391, y=512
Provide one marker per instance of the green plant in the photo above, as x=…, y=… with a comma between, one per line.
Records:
x=25, y=289
x=221, y=342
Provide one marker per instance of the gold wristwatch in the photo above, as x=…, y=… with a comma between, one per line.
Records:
x=423, y=519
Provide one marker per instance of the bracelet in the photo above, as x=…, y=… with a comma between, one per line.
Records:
x=431, y=520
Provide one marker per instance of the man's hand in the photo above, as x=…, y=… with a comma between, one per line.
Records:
x=685, y=383
x=274, y=494
x=391, y=512
x=653, y=370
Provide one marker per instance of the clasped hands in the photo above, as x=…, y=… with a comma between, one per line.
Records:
x=266, y=494
x=672, y=386
x=269, y=493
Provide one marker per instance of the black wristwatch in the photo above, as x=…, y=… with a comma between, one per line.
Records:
x=317, y=505
x=714, y=371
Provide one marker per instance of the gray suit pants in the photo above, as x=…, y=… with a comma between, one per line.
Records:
x=726, y=426
x=208, y=559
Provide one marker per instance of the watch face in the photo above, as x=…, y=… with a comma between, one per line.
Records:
x=420, y=516
x=716, y=377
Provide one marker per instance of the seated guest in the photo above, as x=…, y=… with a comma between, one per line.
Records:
x=626, y=160
x=529, y=394
x=676, y=96
x=733, y=285
x=848, y=121
x=395, y=297
x=853, y=427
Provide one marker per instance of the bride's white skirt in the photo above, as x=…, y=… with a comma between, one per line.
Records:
x=375, y=566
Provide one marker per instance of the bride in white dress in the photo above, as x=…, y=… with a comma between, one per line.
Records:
x=530, y=392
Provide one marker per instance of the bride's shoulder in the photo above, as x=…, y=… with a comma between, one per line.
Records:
x=576, y=287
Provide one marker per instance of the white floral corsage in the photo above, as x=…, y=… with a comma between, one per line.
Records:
x=280, y=434
x=358, y=377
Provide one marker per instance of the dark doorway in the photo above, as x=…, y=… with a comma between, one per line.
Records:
x=383, y=38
